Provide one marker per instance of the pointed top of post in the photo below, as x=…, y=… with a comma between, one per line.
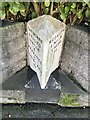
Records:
x=45, y=26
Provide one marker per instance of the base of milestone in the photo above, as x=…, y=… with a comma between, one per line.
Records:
x=50, y=94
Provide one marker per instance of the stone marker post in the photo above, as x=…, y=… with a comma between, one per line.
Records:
x=45, y=42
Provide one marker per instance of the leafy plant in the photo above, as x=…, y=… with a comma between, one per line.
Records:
x=12, y=10
x=68, y=12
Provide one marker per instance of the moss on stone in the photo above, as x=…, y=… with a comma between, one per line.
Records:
x=69, y=100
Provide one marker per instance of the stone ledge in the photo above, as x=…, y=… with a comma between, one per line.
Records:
x=9, y=32
x=13, y=96
x=74, y=100
x=13, y=90
x=75, y=54
x=12, y=49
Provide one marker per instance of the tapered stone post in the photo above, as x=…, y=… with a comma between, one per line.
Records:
x=45, y=42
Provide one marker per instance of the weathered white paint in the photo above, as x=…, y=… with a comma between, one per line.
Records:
x=45, y=42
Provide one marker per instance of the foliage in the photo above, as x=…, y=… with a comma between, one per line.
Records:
x=68, y=12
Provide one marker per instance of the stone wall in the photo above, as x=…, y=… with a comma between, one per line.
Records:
x=75, y=54
x=13, y=49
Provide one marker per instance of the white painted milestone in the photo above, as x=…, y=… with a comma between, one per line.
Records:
x=45, y=43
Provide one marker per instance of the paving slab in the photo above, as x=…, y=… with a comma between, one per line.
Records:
x=13, y=90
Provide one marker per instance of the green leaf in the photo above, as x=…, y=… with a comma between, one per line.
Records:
x=62, y=10
x=87, y=13
x=47, y=3
x=86, y=1
x=63, y=16
x=15, y=7
x=88, y=4
x=11, y=3
x=12, y=11
x=67, y=9
x=73, y=5
x=46, y=10
x=73, y=10
x=17, y=2
x=26, y=4
x=69, y=4
x=2, y=5
x=83, y=4
x=2, y=14
x=23, y=13
x=79, y=14
x=22, y=7
x=33, y=14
